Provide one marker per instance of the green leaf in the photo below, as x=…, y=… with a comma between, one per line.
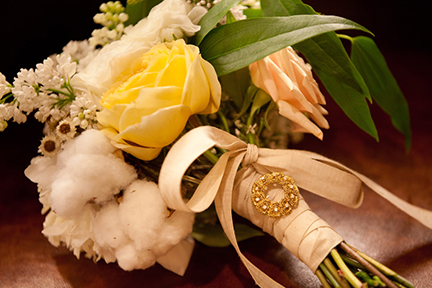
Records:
x=233, y=46
x=332, y=65
x=214, y=236
x=252, y=13
x=250, y=94
x=212, y=17
x=261, y=98
x=235, y=85
x=139, y=9
x=382, y=85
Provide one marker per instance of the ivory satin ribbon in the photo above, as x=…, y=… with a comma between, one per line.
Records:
x=302, y=232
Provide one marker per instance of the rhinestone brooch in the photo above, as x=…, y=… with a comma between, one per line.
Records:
x=282, y=207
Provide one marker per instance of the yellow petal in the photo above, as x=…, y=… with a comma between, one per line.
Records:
x=124, y=97
x=143, y=153
x=174, y=73
x=110, y=133
x=215, y=87
x=111, y=117
x=158, y=129
x=148, y=102
x=196, y=93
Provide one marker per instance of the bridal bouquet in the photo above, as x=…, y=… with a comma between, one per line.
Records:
x=175, y=113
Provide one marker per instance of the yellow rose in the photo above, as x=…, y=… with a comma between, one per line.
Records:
x=149, y=105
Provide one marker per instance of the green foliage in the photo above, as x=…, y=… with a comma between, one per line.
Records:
x=382, y=85
x=235, y=85
x=213, y=235
x=233, y=46
x=212, y=18
x=252, y=13
x=332, y=65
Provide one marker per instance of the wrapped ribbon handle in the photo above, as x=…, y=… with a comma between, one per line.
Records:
x=230, y=189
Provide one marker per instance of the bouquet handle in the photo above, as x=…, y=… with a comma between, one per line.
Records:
x=225, y=182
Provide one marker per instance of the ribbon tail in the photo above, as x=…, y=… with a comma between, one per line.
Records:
x=223, y=203
x=422, y=215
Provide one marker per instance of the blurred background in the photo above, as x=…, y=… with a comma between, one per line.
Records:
x=31, y=31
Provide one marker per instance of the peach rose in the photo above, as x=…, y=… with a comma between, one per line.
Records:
x=289, y=81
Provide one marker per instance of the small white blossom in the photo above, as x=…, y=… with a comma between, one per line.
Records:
x=112, y=18
x=50, y=145
x=66, y=67
x=4, y=86
x=254, y=4
x=48, y=76
x=44, y=110
x=65, y=130
x=6, y=111
x=26, y=97
x=26, y=78
x=83, y=111
x=81, y=52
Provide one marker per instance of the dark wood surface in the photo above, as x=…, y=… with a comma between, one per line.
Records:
x=377, y=228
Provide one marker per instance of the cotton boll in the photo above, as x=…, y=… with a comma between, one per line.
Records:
x=90, y=142
x=175, y=229
x=137, y=230
x=108, y=233
x=64, y=200
x=126, y=232
x=129, y=258
x=88, y=172
x=145, y=219
x=142, y=213
x=94, y=142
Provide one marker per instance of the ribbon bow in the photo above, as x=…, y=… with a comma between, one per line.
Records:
x=302, y=232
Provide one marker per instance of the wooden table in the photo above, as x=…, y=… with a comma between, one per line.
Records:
x=377, y=228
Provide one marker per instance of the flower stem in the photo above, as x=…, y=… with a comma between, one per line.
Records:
x=322, y=279
x=351, y=278
x=250, y=135
x=224, y=120
x=210, y=156
x=367, y=265
x=60, y=92
x=342, y=282
x=343, y=36
x=329, y=276
x=384, y=269
x=5, y=97
x=351, y=262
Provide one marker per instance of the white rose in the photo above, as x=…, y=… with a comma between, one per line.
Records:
x=168, y=18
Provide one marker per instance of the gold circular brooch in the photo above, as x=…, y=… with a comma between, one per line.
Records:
x=275, y=209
